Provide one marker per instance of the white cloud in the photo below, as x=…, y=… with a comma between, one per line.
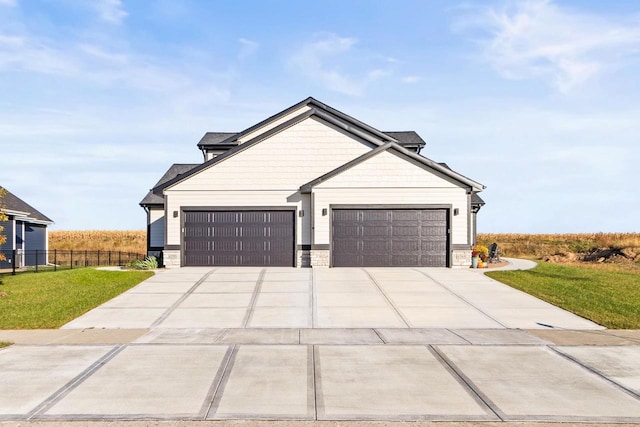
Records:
x=247, y=48
x=411, y=79
x=537, y=39
x=326, y=58
x=111, y=11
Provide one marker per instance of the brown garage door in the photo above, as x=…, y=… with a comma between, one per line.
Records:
x=239, y=238
x=389, y=237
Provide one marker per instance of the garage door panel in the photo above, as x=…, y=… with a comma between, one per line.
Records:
x=405, y=246
x=374, y=215
x=373, y=231
x=377, y=247
x=390, y=237
x=405, y=260
x=239, y=238
x=405, y=215
x=403, y=230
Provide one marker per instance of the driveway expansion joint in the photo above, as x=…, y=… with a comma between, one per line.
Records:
x=594, y=371
x=437, y=282
x=219, y=382
x=386, y=297
x=254, y=299
x=466, y=382
x=59, y=394
x=181, y=299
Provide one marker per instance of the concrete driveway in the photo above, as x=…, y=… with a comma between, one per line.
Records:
x=326, y=298
x=339, y=344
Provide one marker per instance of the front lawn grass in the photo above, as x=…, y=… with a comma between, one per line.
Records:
x=609, y=298
x=49, y=300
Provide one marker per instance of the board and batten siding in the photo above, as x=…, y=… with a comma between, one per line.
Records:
x=388, y=179
x=156, y=228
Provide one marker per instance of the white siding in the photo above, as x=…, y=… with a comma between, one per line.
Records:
x=389, y=179
x=273, y=124
x=388, y=170
x=456, y=197
x=284, y=161
x=156, y=228
x=267, y=174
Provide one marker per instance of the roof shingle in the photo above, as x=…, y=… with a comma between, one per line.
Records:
x=11, y=202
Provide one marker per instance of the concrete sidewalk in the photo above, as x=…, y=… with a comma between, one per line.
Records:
x=162, y=377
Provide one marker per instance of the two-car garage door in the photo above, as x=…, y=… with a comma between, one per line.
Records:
x=239, y=238
x=389, y=237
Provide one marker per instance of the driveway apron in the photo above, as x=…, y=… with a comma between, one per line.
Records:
x=323, y=344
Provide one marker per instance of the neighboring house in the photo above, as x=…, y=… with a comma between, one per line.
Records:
x=312, y=186
x=26, y=232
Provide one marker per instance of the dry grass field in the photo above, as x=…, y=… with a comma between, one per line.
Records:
x=601, y=248
x=99, y=240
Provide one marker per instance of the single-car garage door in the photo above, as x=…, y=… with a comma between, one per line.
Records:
x=389, y=237
x=239, y=238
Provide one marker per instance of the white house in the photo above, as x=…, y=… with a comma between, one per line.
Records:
x=312, y=186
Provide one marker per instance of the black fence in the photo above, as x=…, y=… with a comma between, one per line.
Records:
x=18, y=260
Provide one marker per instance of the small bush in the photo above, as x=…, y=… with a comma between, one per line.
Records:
x=149, y=263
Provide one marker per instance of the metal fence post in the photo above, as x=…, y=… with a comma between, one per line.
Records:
x=119, y=257
x=13, y=262
x=36, y=260
x=98, y=263
x=55, y=260
x=71, y=259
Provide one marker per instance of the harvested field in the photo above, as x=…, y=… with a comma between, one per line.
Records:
x=99, y=240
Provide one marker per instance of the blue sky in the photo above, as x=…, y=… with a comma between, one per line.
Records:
x=538, y=100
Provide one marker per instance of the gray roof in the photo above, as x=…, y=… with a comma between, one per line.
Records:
x=477, y=200
x=156, y=198
x=317, y=109
x=405, y=138
x=212, y=138
x=11, y=202
x=408, y=138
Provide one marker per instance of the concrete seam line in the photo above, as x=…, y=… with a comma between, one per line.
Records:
x=594, y=371
x=181, y=299
x=254, y=299
x=74, y=383
x=317, y=377
x=311, y=384
x=220, y=381
x=466, y=382
x=458, y=335
x=380, y=335
x=386, y=297
x=460, y=297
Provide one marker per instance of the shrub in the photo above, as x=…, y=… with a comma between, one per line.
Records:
x=149, y=263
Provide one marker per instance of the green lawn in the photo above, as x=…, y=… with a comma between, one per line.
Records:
x=5, y=344
x=51, y=299
x=609, y=298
